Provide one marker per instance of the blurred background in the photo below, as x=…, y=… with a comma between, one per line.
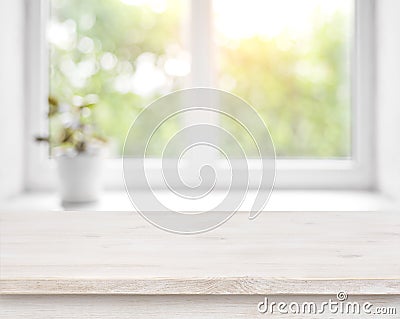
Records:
x=292, y=65
x=322, y=75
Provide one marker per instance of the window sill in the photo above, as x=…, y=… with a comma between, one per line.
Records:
x=281, y=200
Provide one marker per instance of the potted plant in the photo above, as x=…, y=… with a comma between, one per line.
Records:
x=77, y=147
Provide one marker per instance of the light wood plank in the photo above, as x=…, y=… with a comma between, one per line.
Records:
x=178, y=307
x=279, y=252
x=201, y=286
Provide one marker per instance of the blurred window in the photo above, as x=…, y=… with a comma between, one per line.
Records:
x=290, y=59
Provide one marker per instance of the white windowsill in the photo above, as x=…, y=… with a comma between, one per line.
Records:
x=281, y=200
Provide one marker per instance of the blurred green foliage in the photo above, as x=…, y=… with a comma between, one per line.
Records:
x=301, y=88
x=95, y=46
x=75, y=132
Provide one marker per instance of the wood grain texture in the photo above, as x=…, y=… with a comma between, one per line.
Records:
x=201, y=286
x=178, y=307
x=278, y=253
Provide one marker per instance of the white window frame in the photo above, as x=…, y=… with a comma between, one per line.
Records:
x=355, y=173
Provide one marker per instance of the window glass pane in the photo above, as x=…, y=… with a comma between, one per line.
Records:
x=123, y=53
x=290, y=59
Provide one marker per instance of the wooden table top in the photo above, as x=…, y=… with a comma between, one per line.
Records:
x=58, y=252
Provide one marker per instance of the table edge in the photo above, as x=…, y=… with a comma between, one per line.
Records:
x=200, y=286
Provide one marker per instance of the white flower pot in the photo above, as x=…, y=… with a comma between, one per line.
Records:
x=80, y=177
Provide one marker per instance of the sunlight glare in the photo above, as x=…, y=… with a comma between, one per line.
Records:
x=270, y=18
